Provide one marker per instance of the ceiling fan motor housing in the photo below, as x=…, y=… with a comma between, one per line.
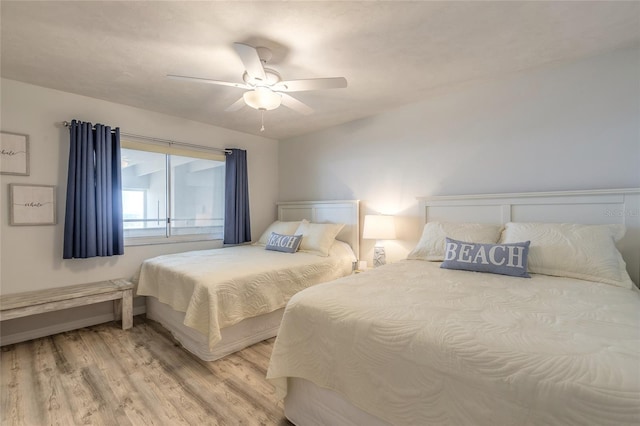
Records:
x=272, y=78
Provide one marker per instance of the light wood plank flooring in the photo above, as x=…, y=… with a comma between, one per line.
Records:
x=103, y=375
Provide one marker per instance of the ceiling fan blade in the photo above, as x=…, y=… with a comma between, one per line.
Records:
x=251, y=60
x=296, y=105
x=208, y=81
x=311, y=84
x=236, y=105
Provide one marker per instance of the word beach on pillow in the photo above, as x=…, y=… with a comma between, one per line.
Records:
x=283, y=243
x=503, y=259
x=279, y=227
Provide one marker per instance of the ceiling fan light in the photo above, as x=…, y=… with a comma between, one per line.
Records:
x=262, y=98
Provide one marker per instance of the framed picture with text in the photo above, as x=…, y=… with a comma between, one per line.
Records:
x=14, y=154
x=32, y=204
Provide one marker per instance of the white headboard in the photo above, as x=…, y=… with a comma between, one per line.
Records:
x=338, y=211
x=587, y=207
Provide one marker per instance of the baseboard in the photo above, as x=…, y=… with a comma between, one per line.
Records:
x=62, y=327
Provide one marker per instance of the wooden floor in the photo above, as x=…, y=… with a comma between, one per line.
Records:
x=103, y=375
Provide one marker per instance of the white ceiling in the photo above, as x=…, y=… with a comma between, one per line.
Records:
x=392, y=53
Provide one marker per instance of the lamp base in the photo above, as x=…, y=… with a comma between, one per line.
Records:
x=379, y=256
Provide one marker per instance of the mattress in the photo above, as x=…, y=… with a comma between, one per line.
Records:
x=219, y=288
x=410, y=343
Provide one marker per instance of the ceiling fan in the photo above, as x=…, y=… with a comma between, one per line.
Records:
x=265, y=89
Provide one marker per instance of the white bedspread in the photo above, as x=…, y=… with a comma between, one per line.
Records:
x=221, y=287
x=418, y=345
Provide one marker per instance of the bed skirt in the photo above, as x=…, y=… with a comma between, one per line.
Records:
x=234, y=338
x=309, y=404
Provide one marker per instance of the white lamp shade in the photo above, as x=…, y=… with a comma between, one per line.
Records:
x=379, y=227
x=262, y=98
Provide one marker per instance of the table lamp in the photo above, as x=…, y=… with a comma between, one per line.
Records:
x=379, y=227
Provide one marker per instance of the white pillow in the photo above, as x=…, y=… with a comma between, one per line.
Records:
x=431, y=244
x=317, y=238
x=283, y=228
x=586, y=252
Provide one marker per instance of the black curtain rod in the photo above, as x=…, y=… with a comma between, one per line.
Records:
x=167, y=141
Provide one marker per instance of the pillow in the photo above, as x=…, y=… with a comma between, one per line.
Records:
x=284, y=228
x=283, y=243
x=586, y=252
x=431, y=244
x=504, y=259
x=317, y=238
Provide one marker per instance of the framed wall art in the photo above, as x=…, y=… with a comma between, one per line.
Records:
x=32, y=204
x=14, y=154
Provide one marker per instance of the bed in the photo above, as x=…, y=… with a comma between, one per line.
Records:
x=412, y=343
x=219, y=301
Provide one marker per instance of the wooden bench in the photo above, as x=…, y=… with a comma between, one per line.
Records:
x=53, y=299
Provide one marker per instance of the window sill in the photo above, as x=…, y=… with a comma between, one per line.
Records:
x=149, y=241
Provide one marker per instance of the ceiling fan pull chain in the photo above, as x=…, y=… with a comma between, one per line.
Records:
x=262, y=120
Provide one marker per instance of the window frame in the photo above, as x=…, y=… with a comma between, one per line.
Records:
x=168, y=150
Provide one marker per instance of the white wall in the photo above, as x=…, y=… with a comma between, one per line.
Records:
x=31, y=256
x=570, y=126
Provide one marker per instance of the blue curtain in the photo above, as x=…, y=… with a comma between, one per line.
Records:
x=93, y=218
x=237, y=227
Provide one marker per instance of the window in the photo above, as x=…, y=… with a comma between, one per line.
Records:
x=133, y=207
x=171, y=194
